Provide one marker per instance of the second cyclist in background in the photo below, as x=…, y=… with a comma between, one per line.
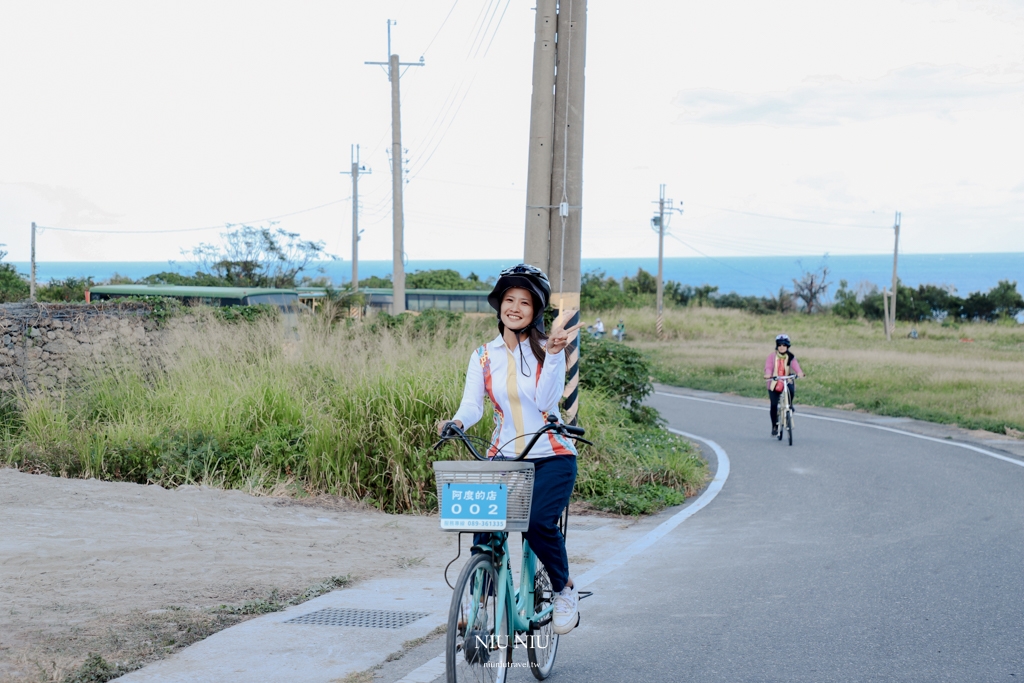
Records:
x=778, y=364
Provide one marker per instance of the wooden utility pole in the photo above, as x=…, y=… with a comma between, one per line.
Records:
x=32, y=270
x=397, y=183
x=895, y=279
x=355, y=172
x=555, y=176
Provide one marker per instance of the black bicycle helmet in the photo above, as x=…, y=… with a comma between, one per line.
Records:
x=530, y=278
x=784, y=340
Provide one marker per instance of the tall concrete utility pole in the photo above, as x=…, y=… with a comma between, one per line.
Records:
x=557, y=116
x=32, y=270
x=397, y=212
x=542, y=112
x=660, y=224
x=354, y=172
x=895, y=254
x=661, y=253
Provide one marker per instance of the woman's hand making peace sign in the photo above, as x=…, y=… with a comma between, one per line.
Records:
x=559, y=337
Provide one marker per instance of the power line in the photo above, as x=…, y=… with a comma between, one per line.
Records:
x=424, y=53
x=209, y=227
x=493, y=35
x=742, y=272
x=794, y=220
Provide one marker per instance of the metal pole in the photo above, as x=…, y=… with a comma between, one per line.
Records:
x=895, y=288
x=397, y=216
x=567, y=183
x=32, y=276
x=661, y=252
x=355, y=221
x=538, y=178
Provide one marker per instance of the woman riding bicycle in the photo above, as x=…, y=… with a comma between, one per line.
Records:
x=522, y=372
x=780, y=364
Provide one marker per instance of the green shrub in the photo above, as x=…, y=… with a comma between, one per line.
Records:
x=618, y=370
x=68, y=290
x=13, y=285
x=249, y=314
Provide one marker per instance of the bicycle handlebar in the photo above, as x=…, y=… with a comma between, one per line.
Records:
x=452, y=431
x=786, y=377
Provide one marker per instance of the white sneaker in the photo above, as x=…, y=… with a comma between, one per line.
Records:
x=566, y=614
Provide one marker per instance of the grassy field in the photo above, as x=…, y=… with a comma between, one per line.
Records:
x=348, y=410
x=967, y=374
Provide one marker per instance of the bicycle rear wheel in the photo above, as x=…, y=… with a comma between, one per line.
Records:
x=476, y=649
x=542, y=645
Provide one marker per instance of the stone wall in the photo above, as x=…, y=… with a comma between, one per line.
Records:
x=41, y=345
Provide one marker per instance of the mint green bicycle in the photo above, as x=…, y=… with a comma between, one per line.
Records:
x=489, y=618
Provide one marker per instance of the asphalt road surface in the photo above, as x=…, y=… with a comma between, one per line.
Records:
x=854, y=555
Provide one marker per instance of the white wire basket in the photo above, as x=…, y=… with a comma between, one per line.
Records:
x=516, y=476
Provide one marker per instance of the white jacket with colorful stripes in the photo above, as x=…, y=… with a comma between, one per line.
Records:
x=522, y=402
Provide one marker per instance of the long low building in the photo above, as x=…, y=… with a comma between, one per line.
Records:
x=210, y=296
x=458, y=300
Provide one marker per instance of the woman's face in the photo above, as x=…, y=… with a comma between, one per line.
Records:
x=516, y=308
x=781, y=348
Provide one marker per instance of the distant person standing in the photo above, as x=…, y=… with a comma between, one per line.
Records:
x=780, y=364
x=620, y=331
x=599, y=329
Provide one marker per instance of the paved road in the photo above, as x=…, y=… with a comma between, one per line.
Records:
x=855, y=555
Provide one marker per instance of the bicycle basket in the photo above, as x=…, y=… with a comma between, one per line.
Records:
x=516, y=476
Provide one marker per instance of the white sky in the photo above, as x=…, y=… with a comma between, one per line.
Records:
x=161, y=116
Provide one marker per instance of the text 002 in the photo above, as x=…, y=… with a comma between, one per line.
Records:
x=474, y=506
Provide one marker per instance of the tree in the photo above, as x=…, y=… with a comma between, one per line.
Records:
x=702, y=295
x=811, y=288
x=978, y=306
x=846, y=305
x=643, y=283
x=1006, y=299
x=258, y=257
x=13, y=286
x=600, y=293
x=444, y=279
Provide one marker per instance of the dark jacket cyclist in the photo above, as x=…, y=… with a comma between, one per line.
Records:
x=522, y=373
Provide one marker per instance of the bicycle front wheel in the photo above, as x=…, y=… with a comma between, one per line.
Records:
x=789, y=426
x=542, y=642
x=476, y=648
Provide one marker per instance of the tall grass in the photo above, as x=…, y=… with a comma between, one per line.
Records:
x=347, y=410
x=966, y=373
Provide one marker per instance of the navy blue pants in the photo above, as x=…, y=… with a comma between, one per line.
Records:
x=774, y=397
x=553, y=479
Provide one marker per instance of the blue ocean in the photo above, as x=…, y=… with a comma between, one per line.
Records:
x=746, y=275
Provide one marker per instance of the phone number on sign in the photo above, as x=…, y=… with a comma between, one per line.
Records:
x=497, y=524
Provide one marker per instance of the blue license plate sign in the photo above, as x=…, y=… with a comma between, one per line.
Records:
x=474, y=507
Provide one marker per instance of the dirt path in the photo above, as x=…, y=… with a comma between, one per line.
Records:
x=131, y=572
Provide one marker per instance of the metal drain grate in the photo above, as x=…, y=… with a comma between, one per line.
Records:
x=586, y=527
x=365, y=618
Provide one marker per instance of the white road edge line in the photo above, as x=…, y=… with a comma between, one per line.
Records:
x=435, y=667
x=948, y=442
x=656, y=534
